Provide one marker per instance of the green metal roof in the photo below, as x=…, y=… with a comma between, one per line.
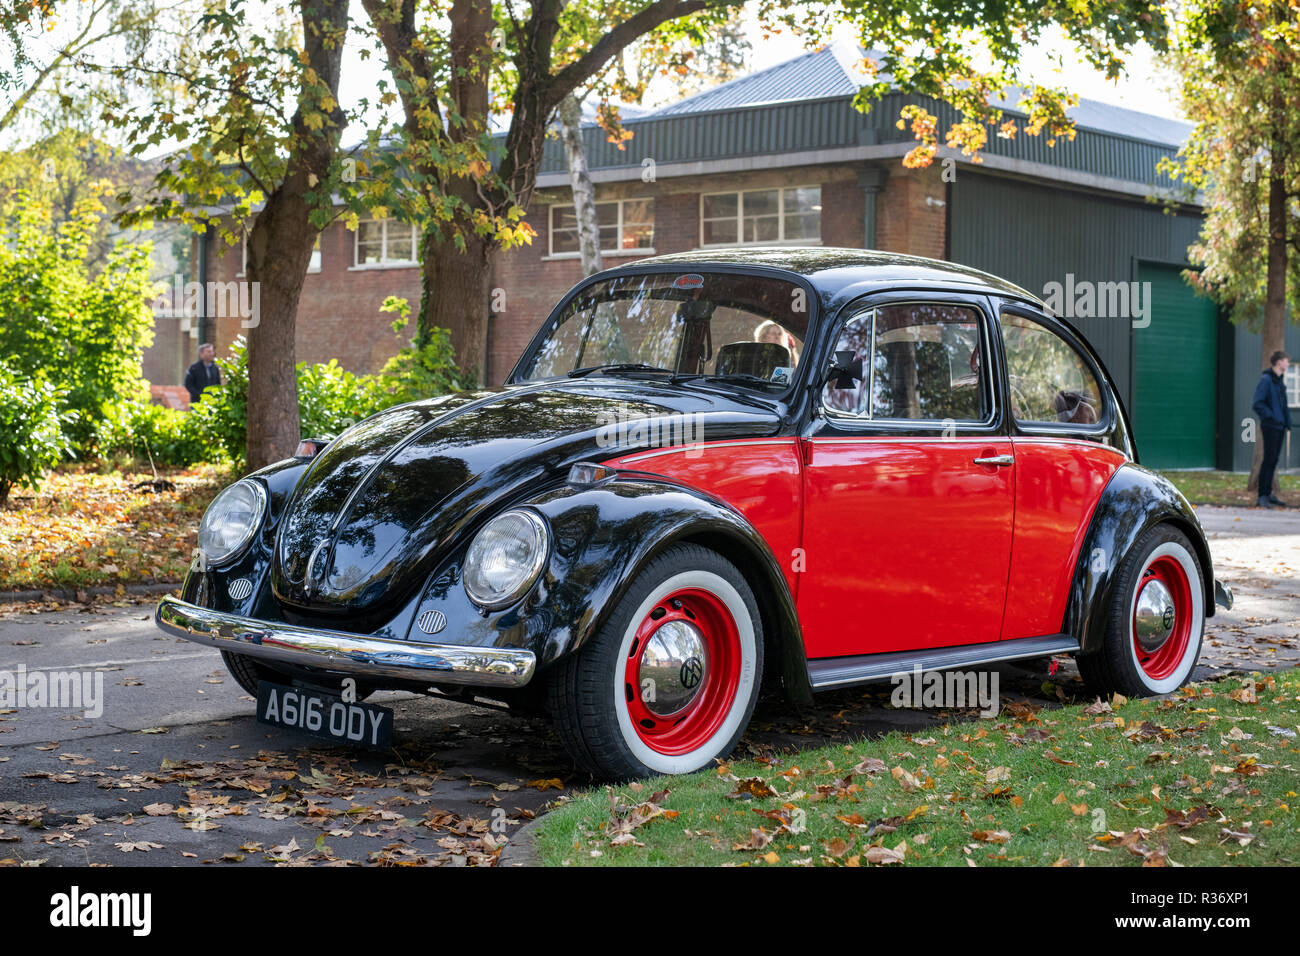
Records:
x=805, y=106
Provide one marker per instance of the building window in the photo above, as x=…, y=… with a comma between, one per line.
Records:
x=1291, y=379
x=792, y=214
x=314, y=266
x=627, y=225
x=384, y=242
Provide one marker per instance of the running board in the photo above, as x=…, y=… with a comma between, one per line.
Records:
x=828, y=673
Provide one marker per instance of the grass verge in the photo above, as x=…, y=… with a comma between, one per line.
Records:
x=1205, y=777
x=83, y=529
x=1224, y=487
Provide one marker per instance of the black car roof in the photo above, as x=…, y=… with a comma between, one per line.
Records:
x=832, y=269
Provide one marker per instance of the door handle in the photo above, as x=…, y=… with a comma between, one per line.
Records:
x=999, y=461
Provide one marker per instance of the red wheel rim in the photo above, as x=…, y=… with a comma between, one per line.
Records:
x=1163, y=661
x=693, y=726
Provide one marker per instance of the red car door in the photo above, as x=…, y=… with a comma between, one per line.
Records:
x=1060, y=417
x=909, y=487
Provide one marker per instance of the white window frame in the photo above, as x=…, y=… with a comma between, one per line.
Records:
x=740, y=218
x=384, y=262
x=619, y=251
x=1291, y=379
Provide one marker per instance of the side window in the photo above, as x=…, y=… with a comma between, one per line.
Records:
x=1050, y=381
x=922, y=362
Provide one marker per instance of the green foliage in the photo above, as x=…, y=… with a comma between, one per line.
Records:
x=421, y=370
x=149, y=432
x=31, y=430
x=59, y=321
x=1238, y=67
x=330, y=398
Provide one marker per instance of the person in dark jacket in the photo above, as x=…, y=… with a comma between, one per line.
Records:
x=1270, y=405
x=202, y=373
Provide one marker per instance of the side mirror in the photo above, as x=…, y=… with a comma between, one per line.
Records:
x=845, y=369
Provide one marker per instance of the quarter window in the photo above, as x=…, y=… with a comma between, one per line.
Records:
x=627, y=225
x=920, y=362
x=1051, y=383
x=792, y=214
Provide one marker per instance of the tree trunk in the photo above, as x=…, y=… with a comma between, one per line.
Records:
x=455, y=294
x=1272, y=336
x=584, y=194
x=280, y=246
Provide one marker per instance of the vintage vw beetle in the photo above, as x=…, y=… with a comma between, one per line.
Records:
x=822, y=467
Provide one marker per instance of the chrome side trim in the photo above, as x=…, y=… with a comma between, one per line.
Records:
x=828, y=673
x=675, y=449
x=343, y=653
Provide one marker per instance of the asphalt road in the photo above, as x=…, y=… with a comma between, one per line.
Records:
x=176, y=770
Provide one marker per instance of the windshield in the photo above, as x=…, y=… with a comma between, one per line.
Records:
x=744, y=330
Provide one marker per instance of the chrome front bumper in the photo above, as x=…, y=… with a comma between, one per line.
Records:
x=343, y=653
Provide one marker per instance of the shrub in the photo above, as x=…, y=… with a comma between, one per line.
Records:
x=164, y=436
x=63, y=323
x=32, y=440
x=421, y=370
x=330, y=398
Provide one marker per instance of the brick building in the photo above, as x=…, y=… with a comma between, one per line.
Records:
x=781, y=156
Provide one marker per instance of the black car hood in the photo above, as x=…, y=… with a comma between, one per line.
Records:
x=394, y=494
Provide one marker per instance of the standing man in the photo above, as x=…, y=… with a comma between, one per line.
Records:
x=202, y=373
x=1274, y=419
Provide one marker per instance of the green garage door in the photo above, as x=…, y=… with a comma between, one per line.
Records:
x=1175, y=374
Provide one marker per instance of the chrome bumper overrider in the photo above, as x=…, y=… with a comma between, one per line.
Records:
x=1222, y=595
x=340, y=652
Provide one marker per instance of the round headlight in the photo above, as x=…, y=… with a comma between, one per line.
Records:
x=231, y=521
x=505, y=558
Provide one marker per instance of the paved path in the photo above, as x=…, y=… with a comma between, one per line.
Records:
x=177, y=771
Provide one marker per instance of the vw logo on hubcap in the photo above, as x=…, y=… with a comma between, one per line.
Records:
x=1153, y=615
x=674, y=663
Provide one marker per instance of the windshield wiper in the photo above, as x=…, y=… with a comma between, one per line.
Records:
x=742, y=378
x=618, y=367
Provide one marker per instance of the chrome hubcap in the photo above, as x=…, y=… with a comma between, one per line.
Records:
x=1154, y=615
x=673, y=666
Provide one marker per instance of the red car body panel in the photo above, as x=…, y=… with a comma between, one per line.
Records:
x=908, y=544
x=760, y=478
x=1058, y=485
x=892, y=543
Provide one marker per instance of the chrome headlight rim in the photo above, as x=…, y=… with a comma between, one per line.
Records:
x=532, y=572
x=232, y=555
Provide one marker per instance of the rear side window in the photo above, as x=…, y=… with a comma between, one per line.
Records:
x=1051, y=383
x=921, y=362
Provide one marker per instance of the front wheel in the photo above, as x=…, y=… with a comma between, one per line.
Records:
x=668, y=684
x=1156, y=620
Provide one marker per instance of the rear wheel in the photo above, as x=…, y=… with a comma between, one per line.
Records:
x=668, y=684
x=247, y=672
x=1156, y=621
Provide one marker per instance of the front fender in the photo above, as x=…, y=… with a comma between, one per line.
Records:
x=603, y=536
x=1133, y=501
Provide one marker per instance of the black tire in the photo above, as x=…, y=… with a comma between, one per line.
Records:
x=1123, y=664
x=593, y=703
x=247, y=672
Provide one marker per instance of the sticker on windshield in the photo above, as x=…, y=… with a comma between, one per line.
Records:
x=690, y=281
x=781, y=374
